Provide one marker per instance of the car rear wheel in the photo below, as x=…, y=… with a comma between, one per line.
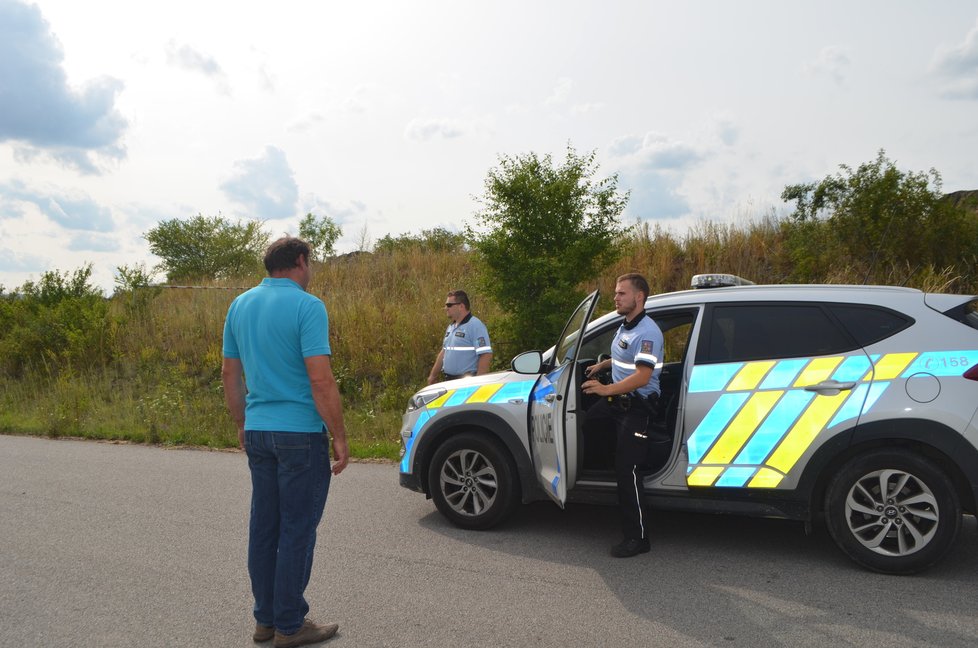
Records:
x=893, y=511
x=473, y=481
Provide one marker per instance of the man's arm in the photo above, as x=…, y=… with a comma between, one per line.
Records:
x=484, y=361
x=433, y=375
x=637, y=380
x=326, y=395
x=234, y=393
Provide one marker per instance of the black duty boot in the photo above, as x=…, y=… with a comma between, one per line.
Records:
x=630, y=547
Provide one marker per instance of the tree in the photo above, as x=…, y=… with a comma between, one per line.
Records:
x=885, y=223
x=321, y=234
x=437, y=239
x=546, y=229
x=207, y=248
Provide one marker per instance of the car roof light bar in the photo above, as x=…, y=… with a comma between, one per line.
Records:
x=718, y=280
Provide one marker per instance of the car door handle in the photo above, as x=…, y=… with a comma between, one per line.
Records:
x=830, y=387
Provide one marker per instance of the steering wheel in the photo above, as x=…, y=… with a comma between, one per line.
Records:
x=603, y=377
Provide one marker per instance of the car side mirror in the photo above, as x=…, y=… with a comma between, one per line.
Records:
x=530, y=362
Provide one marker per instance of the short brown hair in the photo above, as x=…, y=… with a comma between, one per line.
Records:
x=461, y=297
x=638, y=282
x=284, y=253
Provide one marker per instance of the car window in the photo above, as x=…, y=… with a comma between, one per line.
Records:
x=565, y=348
x=966, y=313
x=676, y=329
x=869, y=324
x=971, y=314
x=767, y=331
x=598, y=343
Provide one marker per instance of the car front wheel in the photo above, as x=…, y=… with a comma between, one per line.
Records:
x=473, y=481
x=893, y=511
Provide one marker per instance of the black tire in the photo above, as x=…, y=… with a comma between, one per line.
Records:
x=902, y=531
x=473, y=481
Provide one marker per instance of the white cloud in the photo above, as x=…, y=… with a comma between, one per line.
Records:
x=186, y=57
x=587, y=108
x=958, y=66
x=71, y=211
x=264, y=186
x=651, y=167
x=425, y=130
x=41, y=114
x=90, y=242
x=725, y=129
x=17, y=261
x=561, y=92
x=832, y=61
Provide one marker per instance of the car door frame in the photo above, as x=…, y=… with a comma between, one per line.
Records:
x=553, y=408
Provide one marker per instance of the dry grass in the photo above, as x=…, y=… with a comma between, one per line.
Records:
x=386, y=320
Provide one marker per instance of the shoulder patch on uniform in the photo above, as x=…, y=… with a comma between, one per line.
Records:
x=646, y=346
x=482, y=341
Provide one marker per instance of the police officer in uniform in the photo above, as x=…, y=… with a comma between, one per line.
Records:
x=466, y=350
x=627, y=405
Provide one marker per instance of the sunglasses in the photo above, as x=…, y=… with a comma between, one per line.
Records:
x=450, y=304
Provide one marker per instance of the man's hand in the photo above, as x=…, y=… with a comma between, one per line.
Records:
x=597, y=368
x=341, y=453
x=241, y=438
x=595, y=387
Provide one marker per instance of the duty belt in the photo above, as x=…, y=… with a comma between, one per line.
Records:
x=626, y=401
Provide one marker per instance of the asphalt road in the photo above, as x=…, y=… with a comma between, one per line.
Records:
x=117, y=545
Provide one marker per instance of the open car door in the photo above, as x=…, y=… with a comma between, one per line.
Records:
x=549, y=406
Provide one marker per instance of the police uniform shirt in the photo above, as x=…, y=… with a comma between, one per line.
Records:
x=638, y=342
x=464, y=343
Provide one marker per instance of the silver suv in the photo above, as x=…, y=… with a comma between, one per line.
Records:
x=858, y=402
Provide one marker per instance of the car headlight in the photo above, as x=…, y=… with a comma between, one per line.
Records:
x=420, y=400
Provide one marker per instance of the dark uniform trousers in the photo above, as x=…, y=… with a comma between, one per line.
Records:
x=629, y=419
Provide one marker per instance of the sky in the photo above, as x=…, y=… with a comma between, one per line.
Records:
x=387, y=116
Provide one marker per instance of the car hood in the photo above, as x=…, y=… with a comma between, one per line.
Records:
x=478, y=381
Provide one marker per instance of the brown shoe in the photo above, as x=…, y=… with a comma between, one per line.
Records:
x=309, y=633
x=263, y=633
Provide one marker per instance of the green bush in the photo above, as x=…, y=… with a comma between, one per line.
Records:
x=438, y=239
x=879, y=224
x=59, y=322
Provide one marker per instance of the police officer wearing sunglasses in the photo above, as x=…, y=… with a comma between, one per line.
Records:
x=466, y=350
x=628, y=404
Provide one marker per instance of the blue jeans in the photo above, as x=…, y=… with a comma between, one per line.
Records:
x=290, y=475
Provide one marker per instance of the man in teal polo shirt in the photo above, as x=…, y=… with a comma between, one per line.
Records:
x=276, y=338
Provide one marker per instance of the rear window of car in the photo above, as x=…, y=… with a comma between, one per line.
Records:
x=870, y=324
x=768, y=331
x=966, y=313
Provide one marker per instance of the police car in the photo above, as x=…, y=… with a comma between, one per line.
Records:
x=791, y=401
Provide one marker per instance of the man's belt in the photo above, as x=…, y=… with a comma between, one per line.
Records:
x=626, y=401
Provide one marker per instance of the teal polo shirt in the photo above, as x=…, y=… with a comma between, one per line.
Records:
x=272, y=328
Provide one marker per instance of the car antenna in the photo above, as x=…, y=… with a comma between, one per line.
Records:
x=876, y=252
